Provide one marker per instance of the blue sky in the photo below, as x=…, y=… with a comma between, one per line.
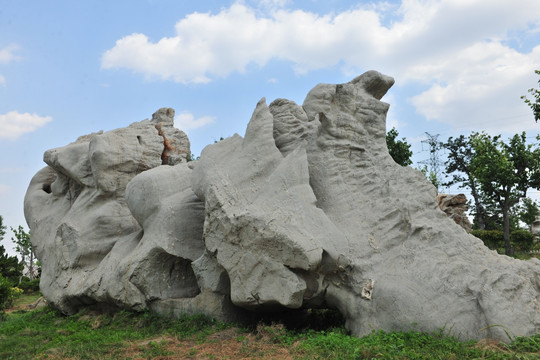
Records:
x=69, y=68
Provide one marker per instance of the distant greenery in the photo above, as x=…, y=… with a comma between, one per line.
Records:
x=505, y=171
x=10, y=270
x=521, y=240
x=534, y=103
x=400, y=150
x=498, y=174
x=46, y=334
x=28, y=285
x=25, y=250
x=10, y=267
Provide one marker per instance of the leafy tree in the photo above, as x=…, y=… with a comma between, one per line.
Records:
x=10, y=267
x=493, y=219
x=24, y=248
x=534, y=104
x=2, y=228
x=458, y=163
x=528, y=211
x=400, y=150
x=505, y=172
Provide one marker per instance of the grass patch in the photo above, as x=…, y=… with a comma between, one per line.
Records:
x=337, y=344
x=49, y=334
x=25, y=299
x=46, y=334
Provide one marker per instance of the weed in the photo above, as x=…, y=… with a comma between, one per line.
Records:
x=526, y=344
x=154, y=349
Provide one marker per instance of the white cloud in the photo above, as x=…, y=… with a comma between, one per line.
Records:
x=7, y=54
x=271, y=4
x=456, y=48
x=481, y=88
x=393, y=121
x=186, y=121
x=207, y=46
x=14, y=124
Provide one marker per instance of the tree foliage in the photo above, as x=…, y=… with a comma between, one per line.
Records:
x=10, y=267
x=528, y=211
x=2, y=228
x=494, y=239
x=400, y=150
x=534, y=103
x=505, y=171
x=24, y=248
x=458, y=164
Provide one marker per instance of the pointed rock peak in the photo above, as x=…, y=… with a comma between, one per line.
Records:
x=374, y=83
x=260, y=128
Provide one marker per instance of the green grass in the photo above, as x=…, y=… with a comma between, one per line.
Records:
x=395, y=345
x=26, y=298
x=28, y=335
x=46, y=334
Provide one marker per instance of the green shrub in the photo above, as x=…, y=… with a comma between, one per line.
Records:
x=522, y=240
x=493, y=239
x=29, y=285
x=7, y=293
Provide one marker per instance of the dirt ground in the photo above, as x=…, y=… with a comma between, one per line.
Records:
x=225, y=344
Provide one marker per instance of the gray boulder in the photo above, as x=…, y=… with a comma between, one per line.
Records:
x=307, y=210
x=82, y=228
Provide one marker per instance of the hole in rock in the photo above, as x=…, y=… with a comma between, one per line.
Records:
x=314, y=319
x=139, y=140
x=85, y=305
x=46, y=188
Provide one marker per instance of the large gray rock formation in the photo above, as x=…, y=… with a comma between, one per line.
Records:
x=306, y=210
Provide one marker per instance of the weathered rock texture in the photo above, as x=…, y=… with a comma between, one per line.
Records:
x=306, y=210
x=455, y=206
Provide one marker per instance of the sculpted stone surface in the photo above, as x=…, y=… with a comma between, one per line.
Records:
x=306, y=210
x=84, y=232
